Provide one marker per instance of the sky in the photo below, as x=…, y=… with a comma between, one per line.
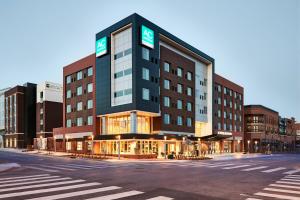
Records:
x=254, y=43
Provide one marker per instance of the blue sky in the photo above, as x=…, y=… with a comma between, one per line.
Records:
x=255, y=43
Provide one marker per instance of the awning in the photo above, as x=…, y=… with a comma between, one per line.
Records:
x=215, y=137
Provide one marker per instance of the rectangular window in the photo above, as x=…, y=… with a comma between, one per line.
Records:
x=219, y=88
x=146, y=94
x=189, y=106
x=219, y=100
x=68, y=108
x=179, y=71
x=219, y=113
x=118, y=55
x=79, y=146
x=179, y=104
x=166, y=84
x=189, y=122
x=79, y=106
x=90, y=120
x=69, y=123
x=127, y=52
x=79, y=91
x=189, y=91
x=224, y=90
x=145, y=74
x=219, y=126
x=118, y=74
x=68, y=146
x=119, y=93
x=167, y=101
x=179, y=120
x=167, y=119
x=225, y=128
x=90, y=71
x=230, y=115
x=90, y=87
x=166, y=67
x=69, y=94
x=68, y=79
x=225, y=102
x=79, y=75
x=145, y=53
x=79, y=121
x=89, y=104
x=189, y=76
x=179, y=88
x=128, y=91
x=225, y=115
x=127, y=71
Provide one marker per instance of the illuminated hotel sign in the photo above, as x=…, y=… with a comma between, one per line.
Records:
x=147, y=36
x=224, y=133
x=101, y=46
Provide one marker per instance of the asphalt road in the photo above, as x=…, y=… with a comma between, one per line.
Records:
x=44, y=177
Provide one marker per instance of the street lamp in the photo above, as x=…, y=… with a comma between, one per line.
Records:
x=119, y=146
x=41, y=139
x=248, y=146
x=92, y=144
x=165, y=144
x=199, y=147
x=67, y=149
x=54, y=143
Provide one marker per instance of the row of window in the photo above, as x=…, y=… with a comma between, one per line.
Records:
x=228, y=91
x=228, y=103
x=79, y=122
x=89, y=89
x=228, y=127
x=79, y=75
x=121, y=93
x=226, y=116
x=179, y=121
x=179, y=104
x=179, y=71
x=122, y=54
x=123, y=73
x=89, y=105
x=179, y=88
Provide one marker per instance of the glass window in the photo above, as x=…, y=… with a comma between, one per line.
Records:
x=179, y=88
x=219, y=126
x=179, y=71
x=119, y=93
x=189, y=91
x=127, y=71
x=90, y=87
x=224, y=126
x=219, y=88
x=79, y=90
x=225, y=114
x=166, y=84
x=118, y=55
x=68, y=145
x=145, y=74
x=189, y=76
x=79, y=106
x=219, y=100
x=167, y=101
x=79, y=121
x=89, y=104
x=79, y=146
x=146, y=94
x=68, y=79
x=90, y=71
x=79, y=75
x=90, y=120
x=68, y=108
x=118, y=74
x=224, y=90
x=69, y=94
x=225, y=102
x=219, y=113
x=69, y=123
x=166, y=67
x=189, y=122
x=189, y=106
x=179, y=104
x=127, y=52
x=145, y=53
x=166, y=119
x=179, y=120
x=128, y=91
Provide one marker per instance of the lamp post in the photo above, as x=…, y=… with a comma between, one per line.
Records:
x=248, y=146
x=199, y=147
x=54, y=143
x=67, y=137
x=41, y=141
x=92, y=144
x=165, y=144
x=119, y=146
x=183, y=146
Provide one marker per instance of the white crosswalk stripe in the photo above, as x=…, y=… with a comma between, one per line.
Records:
x=33, y=182
x=285, y=186
x=32, y=176
x=56, y=167
x=279, y=196
x=160, y=198
x=117, y=196
x=274, y=170
x=254, y=168
x=234, y=167
x=292, y=171
x=27, y=179
x=42, y=169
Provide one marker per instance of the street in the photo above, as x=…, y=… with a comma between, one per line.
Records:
x=45, y=177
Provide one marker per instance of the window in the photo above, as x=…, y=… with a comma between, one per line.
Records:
x=189, y=106
x=90, y=71
x=235, y=106
x=219, y=88
x=68, y=146
x=69, y=94
x=189, y=91
x=166, y=67
x=79, y=146
x=79, y=75
x=146, y=94
x=219, y=100
x=79, y=90
x=179, y=120
x=79, y=106
x=166, y=84
x=189, y=76
x=230, y=115
x=225, y=114
x=179, y=88
x=179, y=71
x=90, y=120
x=230, y=92
x=68, y=79
x=179, y=104
x=89, y=104
x=127, y=52
x=219, y=126
x=41, y=122
x=167, y=101
x=230, y=104
x=167, y=119
x=225, y=102
x=127, y=71
x=119, y=93
x=145, y=53
x=219, y=113
x=68, y=108
x=128, y=91
x=118, y=74
x=118, y=55
x=224, y=127
x=79, y=121
x=69, y=123
x=230, y=127
x=145, y=74
x=234, y=116
x=189, y=122
x=224, y=90
x=90, y=87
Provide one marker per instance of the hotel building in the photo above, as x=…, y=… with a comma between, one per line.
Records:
x=20, y=116
x=2, y=116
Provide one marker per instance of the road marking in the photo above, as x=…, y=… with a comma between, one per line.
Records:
x=253, y=199
x=40, y=185
x=289, y=179
x=118, y=195
x=17, y=177
x=47, y=190
x=38, y=168
x=55, y=167
x=31, y=182
x=282, y=190
x=28, y=179
x=254, y=168
x=285, y=186
x=220, y=165
x=76, y=167
x=274, y=170
x=293, y=176
x=160, y=198
x=292, y=171
x=79, y=193
x=234, y=167
x=288, y=182
x=276, y=196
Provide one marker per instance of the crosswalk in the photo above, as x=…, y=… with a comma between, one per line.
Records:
x=50, y=187
x=243, y=167
x=287, y=187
